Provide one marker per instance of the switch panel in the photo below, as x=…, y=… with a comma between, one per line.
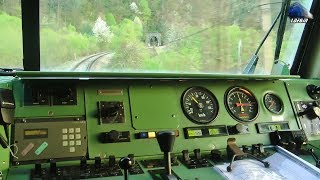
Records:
x=42, y=139
x=34, y=95
x=64, y=96
x=111, y=112
x=115, y=136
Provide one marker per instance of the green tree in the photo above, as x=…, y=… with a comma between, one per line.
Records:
x=111, y=21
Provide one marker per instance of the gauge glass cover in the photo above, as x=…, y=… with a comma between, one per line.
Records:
x=241, y=104
x=199, y=105
x=273, y=103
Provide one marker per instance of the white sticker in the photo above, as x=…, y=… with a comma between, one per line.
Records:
x=277, y=118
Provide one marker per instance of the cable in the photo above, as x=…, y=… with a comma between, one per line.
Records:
x=11, y=152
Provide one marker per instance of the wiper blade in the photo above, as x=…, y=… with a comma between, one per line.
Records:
x=9, y=71
x=251, y=66
x=281, y=29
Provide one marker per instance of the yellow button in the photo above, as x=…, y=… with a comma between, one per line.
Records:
x=151, y=134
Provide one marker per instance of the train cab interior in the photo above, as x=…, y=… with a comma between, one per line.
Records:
x=159, y=89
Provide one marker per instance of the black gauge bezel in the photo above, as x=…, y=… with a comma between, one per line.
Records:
x=280, y=100
x=211, y=96
x=231, y=113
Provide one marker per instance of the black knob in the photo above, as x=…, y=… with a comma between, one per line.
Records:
x=313, y=91
x=125, y=163
x=216, y=155
x=166, y=140
x=53, y=167
x=255, y=149
x=37, y=169
x=83, y=163
x=197, y=154
x=97, y=162
x=112, y=161
x=185, y=156
x=245, y=148
x=174, y=159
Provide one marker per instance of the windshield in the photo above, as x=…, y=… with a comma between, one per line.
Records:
x=10, y=34
x=179, y=36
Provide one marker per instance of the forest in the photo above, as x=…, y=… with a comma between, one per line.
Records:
x=208, y=36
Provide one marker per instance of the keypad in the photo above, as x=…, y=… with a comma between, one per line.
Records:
x=71, y=138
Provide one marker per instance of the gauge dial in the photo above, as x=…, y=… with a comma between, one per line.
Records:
x=199, y=105
x=273, y=103
x=241, y=104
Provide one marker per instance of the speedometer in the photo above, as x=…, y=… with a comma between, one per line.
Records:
x=199, y=105
x=241, y=104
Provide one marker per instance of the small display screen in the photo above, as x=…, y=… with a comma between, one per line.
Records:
x=205, y=131
x=271, y=127
x=275, y=127
x=196, y=132
x=35, y=133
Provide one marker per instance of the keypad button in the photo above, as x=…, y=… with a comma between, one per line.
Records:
x=71, y=136
x=78, y=130
x=65, y=143
x=78, y=136
x=78, y=143
x=72, y=149
x=64, y=130
x=71, y=143
x=64, y=137
x=71, y=130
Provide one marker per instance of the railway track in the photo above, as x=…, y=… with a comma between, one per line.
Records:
x=87, y=63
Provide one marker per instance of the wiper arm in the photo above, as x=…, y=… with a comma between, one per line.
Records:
x=282, y=28
x=251, y=66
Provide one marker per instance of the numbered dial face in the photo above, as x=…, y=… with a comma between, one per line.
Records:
x=241, y=104
x=273, y=103
x=199, y=105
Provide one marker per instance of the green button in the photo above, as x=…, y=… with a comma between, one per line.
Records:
x=214, y=131
x=191, y=133
x=41, y=148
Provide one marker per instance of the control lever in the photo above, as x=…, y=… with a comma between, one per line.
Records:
x=166, y=141
x=125, y=163
x=315, y=157
x=234, y=151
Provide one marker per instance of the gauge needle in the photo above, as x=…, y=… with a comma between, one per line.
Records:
x=240, y=103
x=195, y=100
x=243, y=104
x=272, y=103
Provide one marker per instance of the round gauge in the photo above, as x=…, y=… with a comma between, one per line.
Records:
x=273, y=103
x=199, y=105
x=241, y=104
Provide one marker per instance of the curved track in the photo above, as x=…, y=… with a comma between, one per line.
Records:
x=89, y=61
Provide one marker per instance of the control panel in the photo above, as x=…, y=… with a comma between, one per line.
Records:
x=156, y=129
x=49, y=138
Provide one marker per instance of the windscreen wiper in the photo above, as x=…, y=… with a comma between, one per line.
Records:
x=281, y=29
x=251, y=66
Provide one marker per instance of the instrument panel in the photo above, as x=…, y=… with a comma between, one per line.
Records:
x=131, y=112
x=118, y=118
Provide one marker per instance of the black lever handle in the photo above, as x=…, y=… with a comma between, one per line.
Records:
x=315, y=157
x=125, y=163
